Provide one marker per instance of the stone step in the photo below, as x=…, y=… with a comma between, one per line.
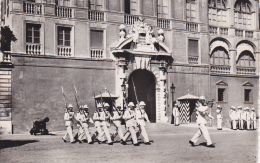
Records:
x=5, y=93
x=5, y=85
x=5, y=72
x=5, y=89
x=5, y=80
x=5, y=105
x=5, y=76
x=5, y=97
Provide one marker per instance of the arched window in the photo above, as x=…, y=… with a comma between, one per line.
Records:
x=217, y=12
x=243, y=14
x=191, y=10
x=246, y=59
x=219, y=57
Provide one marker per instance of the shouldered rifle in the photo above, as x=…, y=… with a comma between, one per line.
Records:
x=113, y=103
x=76, y=97
x=64, y=98
x=102, y=104
x=136, y=96
x=96, y=105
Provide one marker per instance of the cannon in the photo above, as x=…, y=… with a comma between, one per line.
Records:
x=39, y=126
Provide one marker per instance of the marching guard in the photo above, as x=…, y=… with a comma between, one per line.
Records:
x=253, y=119
x=176, y=115
x=129, y=116
x=116, y=118
x=84, y=120
x=97, y=122
x=219, y=117
x=80, y=134
x=68, y=116
x=140, y=116
x=202, y=111
x=104, y=118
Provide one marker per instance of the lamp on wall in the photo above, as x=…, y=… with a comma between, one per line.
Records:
x=172, y=91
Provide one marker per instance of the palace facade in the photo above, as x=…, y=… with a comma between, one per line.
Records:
x=203, y=47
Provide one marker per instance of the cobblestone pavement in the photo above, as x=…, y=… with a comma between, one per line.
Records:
x=170, y=144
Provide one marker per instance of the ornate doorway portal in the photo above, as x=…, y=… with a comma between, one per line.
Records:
x=144, y=82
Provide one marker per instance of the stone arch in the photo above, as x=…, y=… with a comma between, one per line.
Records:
x=245, y=46
x=219, y=42
x=211, y=2
x=251, y=2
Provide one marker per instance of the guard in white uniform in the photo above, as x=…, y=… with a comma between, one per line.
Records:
x=129, y=116
x=140, y=116
x=240, y=117
x=68, y=116
x=80, y=134
x=202, y=111
x=176, y=115
x=116, y=118
x=233, y=117
x=253, y=119
x=97, y=121
x=104, y=118
x=84, y=120
x=247, y=117
x=219, y=117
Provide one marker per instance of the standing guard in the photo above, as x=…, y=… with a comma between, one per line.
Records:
x=253, y=119
x=68, y=116
x=116, y=118
x=129, y=116
x=140, y=116
x=247, y=118
x=233, y=117
x=176, y=115
x=219, y=117
x=202, y=111
x=240, y=114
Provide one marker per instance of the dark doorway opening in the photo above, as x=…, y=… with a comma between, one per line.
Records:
x=193, y=110
x=144, y=82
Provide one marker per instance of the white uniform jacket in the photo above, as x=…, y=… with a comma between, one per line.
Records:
x=140, y=116
x=68, y=118
x=96, y=118
x=128, y=117
x=253, y=116
x=201, y=114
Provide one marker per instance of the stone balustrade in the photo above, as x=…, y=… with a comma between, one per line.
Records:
x=218, y=30
x=97, y=53
x=33, y=49
x=221, y=69
x=96, y=15
x=64, y=12
x=32, y=8
x=193, y=27
x=246, y=70
x=130, y=19
x=193, y=59
x=64, y=51
x=163, y=23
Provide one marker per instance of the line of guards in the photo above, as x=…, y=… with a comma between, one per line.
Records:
x=134, y=118
x=242, y=118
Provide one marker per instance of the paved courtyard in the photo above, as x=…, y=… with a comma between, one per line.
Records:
x=170, y=144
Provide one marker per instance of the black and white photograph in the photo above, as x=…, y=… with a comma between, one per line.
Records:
x=129, y=81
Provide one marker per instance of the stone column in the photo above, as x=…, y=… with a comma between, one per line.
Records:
x=232, y=53
x=163, y=117
x=120, y=78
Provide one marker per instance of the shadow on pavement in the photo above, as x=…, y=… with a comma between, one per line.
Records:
x=14, y=143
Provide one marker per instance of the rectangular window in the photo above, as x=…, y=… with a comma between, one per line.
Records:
x=191, y=10
x=33, y=33
x=96, y=37
x=162, y=9
x=64, y=36
x=247, y=94
x=193, y=48
x=221, y=95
